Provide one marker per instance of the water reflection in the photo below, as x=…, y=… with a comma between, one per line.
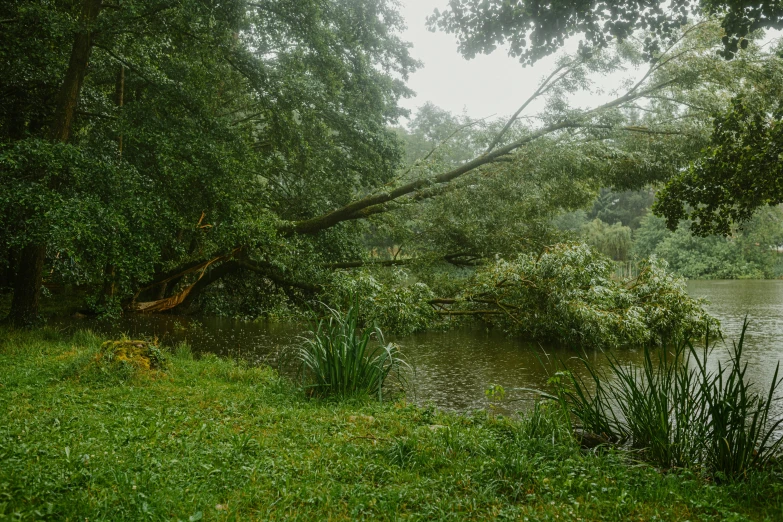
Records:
x=454, y=368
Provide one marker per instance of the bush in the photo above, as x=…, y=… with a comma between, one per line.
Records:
x=567, y=295
x=395, y=303
x=339, y=358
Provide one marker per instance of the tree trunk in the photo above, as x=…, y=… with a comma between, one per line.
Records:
x=9, y=274
x=27, y=287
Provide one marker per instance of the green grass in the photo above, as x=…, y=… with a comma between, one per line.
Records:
x=211, y=439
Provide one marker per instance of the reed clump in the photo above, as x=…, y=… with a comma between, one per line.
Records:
x=341, y=359
x=678, y=408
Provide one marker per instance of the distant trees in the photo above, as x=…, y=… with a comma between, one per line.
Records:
x=750, y=252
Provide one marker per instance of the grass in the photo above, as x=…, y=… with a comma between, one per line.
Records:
x=212, y=439
x=342, y=360
x=677, y=411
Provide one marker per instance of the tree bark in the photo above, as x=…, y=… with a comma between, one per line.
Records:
x=27, y=286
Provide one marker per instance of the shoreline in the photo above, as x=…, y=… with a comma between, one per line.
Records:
x=214, y=439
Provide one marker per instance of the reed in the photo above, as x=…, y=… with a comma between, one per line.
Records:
x=341, y=359
x=676, y=410
x=741, y=434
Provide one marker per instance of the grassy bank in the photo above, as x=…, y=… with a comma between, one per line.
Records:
x=209, y=439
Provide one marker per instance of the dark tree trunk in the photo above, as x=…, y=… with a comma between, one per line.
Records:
x=110, y=272
x=9, y=274
x=68, y=95
x=27, y=286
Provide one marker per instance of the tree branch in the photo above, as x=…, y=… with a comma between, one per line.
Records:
x=545, y=86
x=634, y=128
x=351, y=210
x=313, y=225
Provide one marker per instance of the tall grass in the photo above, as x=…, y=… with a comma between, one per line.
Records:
x=341, y=359
x=676, y=410
x=741, y=435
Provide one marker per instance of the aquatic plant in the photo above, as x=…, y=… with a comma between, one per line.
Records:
x=741, y=434
x=341, y=359
x=677, y=411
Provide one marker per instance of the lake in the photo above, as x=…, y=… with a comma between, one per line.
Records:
x=454, y=368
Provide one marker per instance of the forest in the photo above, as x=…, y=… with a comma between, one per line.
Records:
x=194, y=159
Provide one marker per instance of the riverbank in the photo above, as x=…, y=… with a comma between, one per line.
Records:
x=214, y=440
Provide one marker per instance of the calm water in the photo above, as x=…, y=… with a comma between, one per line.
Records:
x=454, y=368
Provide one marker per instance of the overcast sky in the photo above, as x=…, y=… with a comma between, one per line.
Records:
x=495, y=84
x=486, y=85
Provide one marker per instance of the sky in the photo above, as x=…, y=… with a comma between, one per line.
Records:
x=487, y=85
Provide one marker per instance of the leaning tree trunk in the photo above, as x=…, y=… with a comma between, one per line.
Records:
x=27, y=286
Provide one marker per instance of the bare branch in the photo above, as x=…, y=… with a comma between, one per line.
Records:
x=634, y=128
x=545, y=86
x=371, y=262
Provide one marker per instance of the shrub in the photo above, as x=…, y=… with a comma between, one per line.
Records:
x=393, y=302
x=567, y=295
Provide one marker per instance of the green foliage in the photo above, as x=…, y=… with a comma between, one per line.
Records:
x=394, y=301
x=740, y=170
x=613, y=241
x=534, y=30
x=340, y=359
x=678, y=410
x=207, y=134
x=750, y=252
x=567, y=295
x=627, y=207
x=221, y=441
x=200, y=127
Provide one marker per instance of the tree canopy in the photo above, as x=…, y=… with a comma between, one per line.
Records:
x=199, y=126
x=531, y=30
x=742, y=168
x=242, y=155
